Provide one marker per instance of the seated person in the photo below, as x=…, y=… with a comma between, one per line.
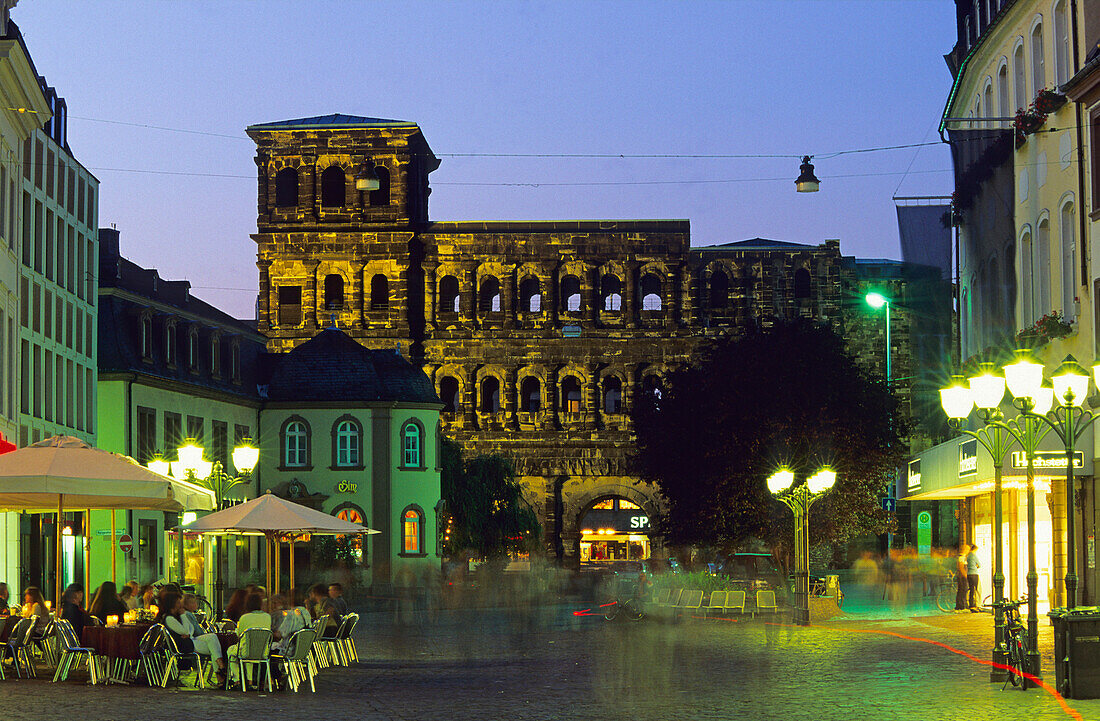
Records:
x=71, y=609
x=191, y=608
x=34, y=605
x=188, y=638
x=287, y=620
x=336, y=595
x=253, y=617
x=106, y=603
x=321, y=606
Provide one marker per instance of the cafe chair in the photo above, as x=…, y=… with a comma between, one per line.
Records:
x=297, y=663
x=152, y=655
x=46, y=644
x=174, y=658
x=254, y=649
x=72, y=652
x=318, y=649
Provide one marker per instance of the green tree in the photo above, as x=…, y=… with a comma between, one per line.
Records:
x=790, y=395
x=486, y=515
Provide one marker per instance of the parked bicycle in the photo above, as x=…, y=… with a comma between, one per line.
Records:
x=1014, y=642
x=631, y=609
x=947, y=590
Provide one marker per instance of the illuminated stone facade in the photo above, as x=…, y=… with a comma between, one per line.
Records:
x=538, y=335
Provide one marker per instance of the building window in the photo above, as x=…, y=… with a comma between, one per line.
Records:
x=1002, y=93
x=146, y=434
x=611, y=293
x=235, y=361
x=295, y=443
x=1062, y=69
x=450, y=395
x=290, y=304
x=173, y=433
x=449, y=298
x=612, y=395
x=412, y=444
x=531, y=294
x=219, y=443
x=334, y=292
x=381, y=196
x=490, y=395
x=1038, y=68
x=571, y=293
x=286, y=188
x=1027, y=278
x=719, y=289
x=489, y=296
x=1041, y=268
x=571, y=395
x=347, y=440
x=651, y=292
x=801, y=284
x=195, y=430
x=1069, y=275
x=412, y=531
x=193, y=350
x=215, y=355
x=379, y=292
x=1019, y=77
x=333, y=182
x=351, y=514
x=530, y=395
x=170, y=343
x=147, y=338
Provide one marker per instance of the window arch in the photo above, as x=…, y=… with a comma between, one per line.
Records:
x=1019, y=75
x=351, y=513
x=333, y=182
x=802, y=284
x=1062, y=70
x=170, y=335
x=412, y=531
x=651, y=292
x=380, y=196
x=987, y=99
x=1003, y=99
x=450, y=394
x=611, y=293
x=530, y=395
x=347, y=443
x=572, y=400
x=1042, y=266
x=412, y=445
x=1069, y=275
x=449, y=299
x=571, y=293
x=490, y=395
x=193, y=349
x=612, y=395
x=1038, y=68
x=489, y=295
x=1027, y=278
x=653, y=387
x=531, y=294
x=334, y=291
x=286, y=188
x=295, y=437
x=719, y=289
x=379, y=292
x=146, y=337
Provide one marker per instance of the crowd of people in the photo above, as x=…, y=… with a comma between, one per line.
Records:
x=903, y=572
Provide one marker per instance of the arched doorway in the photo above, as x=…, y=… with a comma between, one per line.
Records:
x=614, y=528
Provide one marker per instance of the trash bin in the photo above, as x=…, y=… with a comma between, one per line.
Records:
x=1077, y=651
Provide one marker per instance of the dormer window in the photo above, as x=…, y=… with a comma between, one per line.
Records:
x=235, y=361
x=170, y=343
x=146, y=338
x=193, y=350
x=215, y=354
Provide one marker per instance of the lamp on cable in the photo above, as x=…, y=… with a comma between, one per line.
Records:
x=807, y=182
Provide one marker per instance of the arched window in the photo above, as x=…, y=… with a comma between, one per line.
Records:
x=170, y=332
x=612, y=395
x=412, y=532
x=381, y=196
x=379, y=292
x=530, y=395
x=333, y=181
x=719, y=289
x=490, y=395
x=215, y=355
x=347, y=440
x=611, y=293
x=449, y=394
x=334, y=291
x=1038, y=68
x=1069, y=275
x=531, y=294
x=412, y=445
x=286, y=188
x=351, y=515
x=295, y=443
x=652, y=387
x=571, y=395
x=571, y=293
x=801, y=283
x=1027, y=279
x=1062, y=70
x=987, y=96
x=1002, y=93
x=1042, y=268
x=193, y=349
x=146, y=337
x=489, y=295
x=449, y=299
x=651, y=292
x=1019, y=77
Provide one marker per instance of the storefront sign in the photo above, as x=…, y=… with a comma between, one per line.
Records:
x=639, y=522
x=968, y=458
x=914, y=475
x=924, y=533
x=346, y=487
x=1045, y=460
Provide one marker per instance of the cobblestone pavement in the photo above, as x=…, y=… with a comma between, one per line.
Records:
x=545, y=663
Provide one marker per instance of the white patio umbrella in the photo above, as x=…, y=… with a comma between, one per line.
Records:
x=65, y=472
x=274, y=517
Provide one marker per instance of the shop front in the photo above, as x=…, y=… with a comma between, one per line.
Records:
x=615, y=529
x=962, y=470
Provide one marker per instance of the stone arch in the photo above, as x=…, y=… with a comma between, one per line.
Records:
x=577, y=505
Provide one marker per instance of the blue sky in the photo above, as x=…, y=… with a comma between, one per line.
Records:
x=679, y=78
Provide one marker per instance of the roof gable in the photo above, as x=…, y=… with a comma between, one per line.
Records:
x=334, y=120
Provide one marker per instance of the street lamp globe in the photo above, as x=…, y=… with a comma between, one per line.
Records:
x=190, y=454
x=1071, y=382
x=807, y=182
x=876, y=300
x=822, y=481
x=987, y=388
x=956, y=399
x=1024, y=377
x=245, y=457
x=780, y=481
x=1043, y=401
x=159, y=465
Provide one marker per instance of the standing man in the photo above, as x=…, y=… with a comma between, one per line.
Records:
x=972, y=566
x=962, y=584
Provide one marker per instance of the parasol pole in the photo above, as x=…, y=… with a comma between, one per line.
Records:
x=87, y=551
x=278, y=562
x=57, y=554
x=114, y=549
x=292, y=536
x=267, y=537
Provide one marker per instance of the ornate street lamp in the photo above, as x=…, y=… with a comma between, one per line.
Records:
x=799, y=499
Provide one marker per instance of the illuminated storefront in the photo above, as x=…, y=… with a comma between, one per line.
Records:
x=615, y=529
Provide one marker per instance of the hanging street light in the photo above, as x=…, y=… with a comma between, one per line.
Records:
x=807, y=182
x=366, y=179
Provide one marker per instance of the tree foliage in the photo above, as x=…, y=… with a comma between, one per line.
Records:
x=486, y=514
x=790, y=395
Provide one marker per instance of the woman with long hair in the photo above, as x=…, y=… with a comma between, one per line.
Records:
x=35, y=605
x=235, y=608
x=189, y=639
x=106, y=602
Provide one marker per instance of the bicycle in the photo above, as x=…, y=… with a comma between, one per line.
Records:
x=630, y=609
x=1014, y=642
x=946, y=592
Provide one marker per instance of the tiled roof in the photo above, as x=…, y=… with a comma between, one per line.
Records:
x=332, y=366
x=335, y=120
x=758, y=243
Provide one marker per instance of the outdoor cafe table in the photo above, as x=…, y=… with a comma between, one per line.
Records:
x=117, y=643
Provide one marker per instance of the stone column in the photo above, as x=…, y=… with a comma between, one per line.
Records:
x=511, y=392
x=470, y=398
x=593, y=408
x=630, y=295
x=672, y=309
x=509, y=292
x=360, y=298
x=431, y=303
x=467, y=285
x=552, y=405
x=310, y=302
x=264, y=319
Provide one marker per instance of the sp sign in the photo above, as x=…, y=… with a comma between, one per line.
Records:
x=639, y=522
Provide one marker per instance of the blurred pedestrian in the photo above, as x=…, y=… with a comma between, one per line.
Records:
x=972, y=566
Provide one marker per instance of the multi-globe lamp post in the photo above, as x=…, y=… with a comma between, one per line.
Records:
x=210, y=474
x=1044, y=407
x=799, y=499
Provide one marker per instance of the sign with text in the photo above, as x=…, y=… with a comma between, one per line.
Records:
x=1047, y=460
x=913, y=477
x=968, y=458
x=924, y=533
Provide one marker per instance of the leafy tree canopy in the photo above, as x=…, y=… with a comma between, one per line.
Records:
x=486, y=513
x=790, y=395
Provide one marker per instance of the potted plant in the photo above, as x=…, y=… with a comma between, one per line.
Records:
x=1048, y=101
x=1050, y=326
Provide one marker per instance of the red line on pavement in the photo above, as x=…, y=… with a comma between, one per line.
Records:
x=1073, y=713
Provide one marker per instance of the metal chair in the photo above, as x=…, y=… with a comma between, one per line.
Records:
x=318, y=650
x=333, y=646
x=46, y=644
x=297, y=662
x=152, y=655
x=174, y=656
x=345, y=644
x=71, y=651
x=254, y=649
x=16, y=647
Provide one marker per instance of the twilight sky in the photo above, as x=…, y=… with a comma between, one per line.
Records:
x=679, y=77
